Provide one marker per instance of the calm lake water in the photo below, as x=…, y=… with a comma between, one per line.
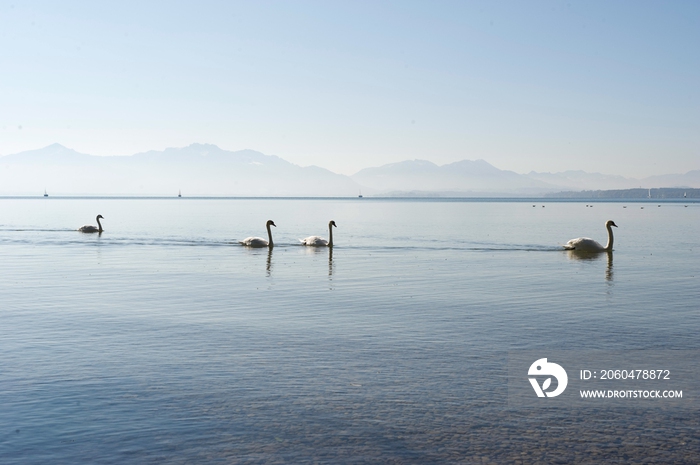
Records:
x=163, y=340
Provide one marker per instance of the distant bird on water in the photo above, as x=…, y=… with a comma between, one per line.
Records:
x=259, y=241
x=318, y=241
x=92, y=229
x=584, y=244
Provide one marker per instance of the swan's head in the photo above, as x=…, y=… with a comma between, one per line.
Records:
x=101, y=217
x=270, y=223
x=332, y=223
x=610, y=223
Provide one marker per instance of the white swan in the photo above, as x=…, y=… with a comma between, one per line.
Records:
x=92, y=229
x=318, y=241
x=259, y=241
x=584, y=244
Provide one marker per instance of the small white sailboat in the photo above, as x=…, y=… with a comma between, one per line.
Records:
x=179, y=193
x=45, y=193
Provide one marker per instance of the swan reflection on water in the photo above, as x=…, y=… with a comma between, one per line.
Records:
x=591, y=257
x=319, y=250
x=268, y=266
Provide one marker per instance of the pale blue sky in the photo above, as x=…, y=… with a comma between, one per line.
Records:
x=609, y=86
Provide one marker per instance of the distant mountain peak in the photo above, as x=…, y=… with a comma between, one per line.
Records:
x=198, y=169
x=49, y=152
x=55, y=145
x=201, y=145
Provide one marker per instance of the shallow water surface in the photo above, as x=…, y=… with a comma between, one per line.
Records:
x=162, y=339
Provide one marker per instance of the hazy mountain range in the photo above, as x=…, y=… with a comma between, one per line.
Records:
x=207, y=170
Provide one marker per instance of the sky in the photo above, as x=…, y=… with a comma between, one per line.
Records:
x=600, y=86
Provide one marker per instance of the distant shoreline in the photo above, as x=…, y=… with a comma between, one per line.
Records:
x=599, y=196
x=638, y=193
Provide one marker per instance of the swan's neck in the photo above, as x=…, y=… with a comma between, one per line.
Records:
x=609, y=247
x=99, y=225
x=330, y=233
x=269, y=237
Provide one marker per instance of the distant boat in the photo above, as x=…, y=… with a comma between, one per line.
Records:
x=360, y=196
x=649, y=193
x=179, y=193
x=685, y=194
x=45, y=194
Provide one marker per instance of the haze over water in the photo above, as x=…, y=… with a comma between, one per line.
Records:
x=165, y=340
